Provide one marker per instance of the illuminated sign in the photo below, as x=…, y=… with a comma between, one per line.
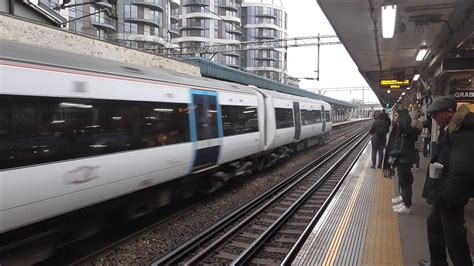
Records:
x=466, y=95
x=393, y=83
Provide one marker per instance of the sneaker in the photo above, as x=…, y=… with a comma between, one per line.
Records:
x=402, y=210
x=417, y=169
x=397, y=200
x=397, y=206
x=372, y=167
x=424, y=263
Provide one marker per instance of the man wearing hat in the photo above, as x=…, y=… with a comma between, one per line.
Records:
x=450, y=184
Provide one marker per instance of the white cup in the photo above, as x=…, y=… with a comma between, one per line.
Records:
x=436, y=169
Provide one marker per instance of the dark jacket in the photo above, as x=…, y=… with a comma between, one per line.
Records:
x=403, y=145
x=379, y=130
x=454, y=151
x=389, y=146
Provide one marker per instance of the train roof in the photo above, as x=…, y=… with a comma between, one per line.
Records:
x=277, y=94
x=24, y=53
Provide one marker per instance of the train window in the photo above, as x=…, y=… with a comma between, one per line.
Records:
x=37, y=130
x=206, y=117
x=307, y=117
x=284, y=117
x=310, y=117
x=318, y=116
x=328, y=116
x=239, y=119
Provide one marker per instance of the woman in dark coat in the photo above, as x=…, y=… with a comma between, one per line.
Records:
x=401, y=146
x=378, y=130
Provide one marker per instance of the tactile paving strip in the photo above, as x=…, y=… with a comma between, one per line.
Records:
x=358, y=228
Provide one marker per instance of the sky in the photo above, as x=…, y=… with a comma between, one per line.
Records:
x=337, y=69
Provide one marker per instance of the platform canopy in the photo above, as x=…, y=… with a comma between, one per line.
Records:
x=444, y=28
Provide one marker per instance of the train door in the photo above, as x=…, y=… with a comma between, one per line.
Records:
x=206, y=129
x=296, y=111
x=323, y=119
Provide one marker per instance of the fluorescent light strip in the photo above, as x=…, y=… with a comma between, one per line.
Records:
x=416, y=77
x=389, y=16
x=74, y=105
x=422, y=53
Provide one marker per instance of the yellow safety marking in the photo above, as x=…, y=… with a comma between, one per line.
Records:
x=382, y=245
x=341, y=229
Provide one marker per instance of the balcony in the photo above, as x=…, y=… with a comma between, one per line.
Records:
x=175, y=3
x=229, y=7
x=174, y=32
x=149, y=22
x=106, y=25
x=234, y=31
x=265, y=37
x=266, y=16
x=265, y=58
x=195, y=3
x=151, y=4
x=174, y=18
x=231, y=53
x=103, y=4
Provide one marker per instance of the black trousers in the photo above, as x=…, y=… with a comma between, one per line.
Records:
x=446, y=229
x=377, y=148
x=405, y=182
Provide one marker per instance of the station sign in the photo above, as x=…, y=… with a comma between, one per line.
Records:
x=465, y=95
x=394, y=83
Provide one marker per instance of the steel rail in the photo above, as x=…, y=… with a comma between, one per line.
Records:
x=179, y=253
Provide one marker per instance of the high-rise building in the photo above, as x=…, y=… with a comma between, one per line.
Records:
x=147, y=24
x=264, y=20
x=89, y=18
x=211, y=22
x=187, y=26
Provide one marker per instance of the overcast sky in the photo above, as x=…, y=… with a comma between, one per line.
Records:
x=337, y=69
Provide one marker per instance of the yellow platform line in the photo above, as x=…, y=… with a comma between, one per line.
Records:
x=382, y=246
x=342, y=227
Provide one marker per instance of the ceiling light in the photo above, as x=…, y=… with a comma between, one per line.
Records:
x=388, y=91
x=408, y=88
x=422, y=53
x=415, y=77
x=403, y=93
x=389, y=15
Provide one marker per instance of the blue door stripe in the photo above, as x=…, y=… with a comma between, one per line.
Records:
x=220, y=125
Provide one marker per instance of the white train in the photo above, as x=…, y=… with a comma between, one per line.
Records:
x=76, y=131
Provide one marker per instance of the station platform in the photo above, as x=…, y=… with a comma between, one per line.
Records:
x=360, y=227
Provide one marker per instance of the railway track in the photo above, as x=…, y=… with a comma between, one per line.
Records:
x=265, y=230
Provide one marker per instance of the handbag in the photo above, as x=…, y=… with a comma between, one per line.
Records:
x=392, y=160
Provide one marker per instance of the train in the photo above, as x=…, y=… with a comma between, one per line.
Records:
x=77, y=131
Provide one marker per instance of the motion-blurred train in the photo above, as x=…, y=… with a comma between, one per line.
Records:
x=76, y=131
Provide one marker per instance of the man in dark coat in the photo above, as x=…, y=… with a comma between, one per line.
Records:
x=378, y=130
x=451, y=192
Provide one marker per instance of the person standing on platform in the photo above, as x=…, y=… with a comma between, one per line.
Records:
x=418, y=143
x=450, y=182
x=378, y=130
x=401, y=155
x=426, y=135
x=386, y=118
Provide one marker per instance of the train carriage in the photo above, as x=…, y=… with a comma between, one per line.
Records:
x=76, y=131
